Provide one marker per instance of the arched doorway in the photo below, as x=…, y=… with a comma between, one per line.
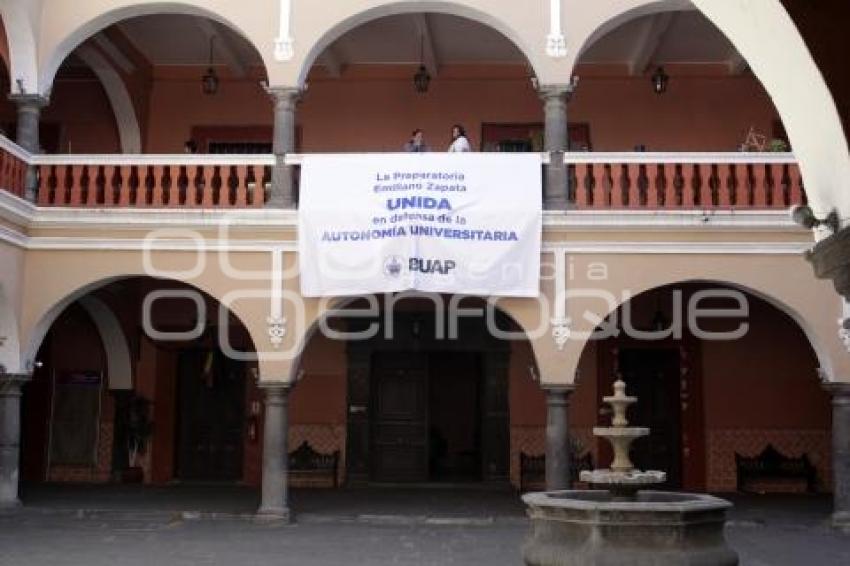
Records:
x=185, y=411
x=414, y=392
x=719, y=372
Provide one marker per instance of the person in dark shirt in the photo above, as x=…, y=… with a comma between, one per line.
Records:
x=416, y=143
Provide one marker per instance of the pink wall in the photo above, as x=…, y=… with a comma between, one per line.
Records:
x=80, y=110
x=374, y=109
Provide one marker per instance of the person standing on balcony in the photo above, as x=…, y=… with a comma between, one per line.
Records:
x=416, y=143
x=460, y=143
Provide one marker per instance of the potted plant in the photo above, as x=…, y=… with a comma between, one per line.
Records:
x=138, y=430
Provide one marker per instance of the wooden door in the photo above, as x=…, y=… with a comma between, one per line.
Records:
x=400, y=423
x=652, y=375
x=211, y=399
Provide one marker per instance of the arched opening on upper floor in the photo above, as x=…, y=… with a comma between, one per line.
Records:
x=134, y=381
x=721, y=372
x=155, y=79
x=772, y=46
x=362, y=83
x=677, y=83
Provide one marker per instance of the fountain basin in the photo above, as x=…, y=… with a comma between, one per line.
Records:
x=656, y=528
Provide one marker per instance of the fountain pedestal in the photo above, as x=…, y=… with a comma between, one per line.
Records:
x=625, y=525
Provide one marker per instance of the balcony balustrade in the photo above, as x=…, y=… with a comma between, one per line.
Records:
x=653, y=181
x=13, y=167
x=594, y=181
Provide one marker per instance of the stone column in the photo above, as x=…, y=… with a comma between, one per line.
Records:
x=558, y=438
x=29, y=117
x=10, y=437
x=555, y=142
x=283, y=183
x=275, y=489
x=840, y=453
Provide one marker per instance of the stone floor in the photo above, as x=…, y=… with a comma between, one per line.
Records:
x=213, y=525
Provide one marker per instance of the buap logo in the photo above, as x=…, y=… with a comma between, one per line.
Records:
x=393, y=266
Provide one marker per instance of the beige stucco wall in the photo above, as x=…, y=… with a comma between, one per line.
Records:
x=11, y=268
x=630, y=261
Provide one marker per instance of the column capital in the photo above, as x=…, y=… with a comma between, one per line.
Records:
x=274, y=387
x=37, y=101
x=557, y=92
x=11, y=383
x=285, y=94
x=557, y=394
x=840, y=391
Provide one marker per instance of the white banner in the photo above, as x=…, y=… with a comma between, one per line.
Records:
x=465, y=223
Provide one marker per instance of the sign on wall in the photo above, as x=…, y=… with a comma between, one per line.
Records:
x=447, y=223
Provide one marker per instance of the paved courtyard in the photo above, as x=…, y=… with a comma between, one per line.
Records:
x=213, y=526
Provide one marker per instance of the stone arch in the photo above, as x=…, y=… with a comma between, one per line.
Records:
x=815, y=339
x=129, y=132
x=119, y=366
x=765, y=35
x=10, y=346
x=347, y=21
x=22, y=46
x=85, y=25
x=516, y=316
x=44, y=319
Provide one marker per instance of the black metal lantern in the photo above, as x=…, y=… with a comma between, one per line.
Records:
x=421, y=79
x=209, y=82
x=660, y=80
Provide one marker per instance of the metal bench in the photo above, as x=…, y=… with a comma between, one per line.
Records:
x=771, y=464
x=309, y=468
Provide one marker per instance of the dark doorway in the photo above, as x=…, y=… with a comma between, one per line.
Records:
x=400, y=424
x=652, y=375
x=211, y=414
x=455, y=416
x=426, y=410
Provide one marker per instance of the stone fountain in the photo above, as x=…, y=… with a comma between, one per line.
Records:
x=621, y=522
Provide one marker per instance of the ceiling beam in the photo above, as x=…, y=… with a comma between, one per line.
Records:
x=429, y=52
x=223, y=46
x=649, y=39
x=333, y=62
x=737, y=64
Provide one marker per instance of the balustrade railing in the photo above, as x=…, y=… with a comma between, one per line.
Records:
x=598, y=181
x=13, y=167
x=189, y=181
x=683, y=181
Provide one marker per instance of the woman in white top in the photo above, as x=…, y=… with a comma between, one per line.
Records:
x=459, y=141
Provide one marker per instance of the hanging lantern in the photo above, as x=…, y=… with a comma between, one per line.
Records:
x=660, y=80
x=209, y=82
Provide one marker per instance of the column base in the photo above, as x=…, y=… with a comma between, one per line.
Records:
x=274, y=515
x=841, y=521
x=10, y=506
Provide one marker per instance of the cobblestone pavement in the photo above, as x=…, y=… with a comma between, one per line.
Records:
x=368, y=527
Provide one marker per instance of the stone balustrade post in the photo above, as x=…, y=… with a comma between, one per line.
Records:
x=275, y=480
x=10, y=437
x=283, y=183
x=558, y=438
x=555, y=142
x=27, y=134
x=840, y=454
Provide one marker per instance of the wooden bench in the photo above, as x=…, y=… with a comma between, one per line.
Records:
x=532, y=469
x=771, y=464
x=308, y=468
